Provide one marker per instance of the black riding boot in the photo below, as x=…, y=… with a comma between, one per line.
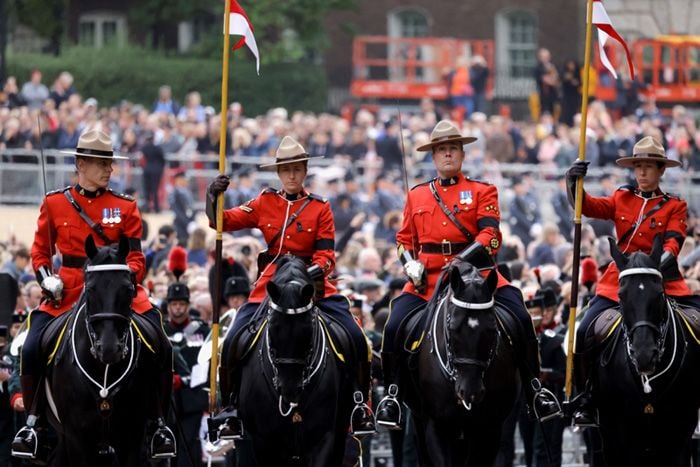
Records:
x=362, y=418
x=541, y=401
x=27, y=442
x=585, y=414
x=162, y=444
x=226, y=425
x=389, y=408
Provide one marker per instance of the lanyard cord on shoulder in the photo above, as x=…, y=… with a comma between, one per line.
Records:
x=637, y=223
x=281, y=237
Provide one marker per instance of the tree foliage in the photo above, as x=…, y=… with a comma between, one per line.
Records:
x=45, y=17
x=151, y=17
x=286, y=31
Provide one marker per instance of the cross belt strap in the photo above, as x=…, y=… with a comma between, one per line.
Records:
x=95, y=227
x=449, y=214
x=625, y=235
x=292, y=218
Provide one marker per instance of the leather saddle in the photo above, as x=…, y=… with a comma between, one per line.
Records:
x=54, y=335
x=247, y=339
x=603, y=327
x=152, y=338
x=691, y=319
x=412, y=330
x=414, y=326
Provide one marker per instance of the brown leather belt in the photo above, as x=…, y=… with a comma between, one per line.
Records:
x=73, y=261
x=444, y=248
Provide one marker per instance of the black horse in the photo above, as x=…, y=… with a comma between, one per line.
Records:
x=294, y=399
x=100, y=385
x=647, y=385
x=463, y=382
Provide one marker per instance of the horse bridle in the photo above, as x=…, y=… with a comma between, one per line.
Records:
x=307, y=363
x=90, y=319
x=448, y=365
x=661, y=331
x=104, y=388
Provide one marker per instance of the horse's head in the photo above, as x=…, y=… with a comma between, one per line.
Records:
x=642, y=302
x=291, y=326
x=109, y=289
x=471, y=329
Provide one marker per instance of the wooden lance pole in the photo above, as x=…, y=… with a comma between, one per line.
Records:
x=578, y=207
x=219, y=217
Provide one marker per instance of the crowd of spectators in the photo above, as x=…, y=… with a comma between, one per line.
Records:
x=364, y=182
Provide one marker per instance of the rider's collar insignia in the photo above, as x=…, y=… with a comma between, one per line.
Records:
x=649, y=194
x=87, y=193
x=292, y=197
x=449, y=181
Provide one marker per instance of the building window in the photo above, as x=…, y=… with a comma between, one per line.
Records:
x=522, y=44
x=516, y=52
x=412, y=23
x=407, y=23
x=86, y=35
x=109, y=33
x=103, y=29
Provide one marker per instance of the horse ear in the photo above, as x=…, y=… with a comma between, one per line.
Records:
x=492, y=280
x=617, y=256
x=273, y=291
x=123, y=247
x=307, y=293
x=90, y=247
x=456, y=282
x=657, y=248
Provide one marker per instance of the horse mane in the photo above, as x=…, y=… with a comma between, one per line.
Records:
x=289, y=267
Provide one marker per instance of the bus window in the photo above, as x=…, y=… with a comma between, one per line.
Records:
x=669, y=60
x=693, y=64
x=647, y=64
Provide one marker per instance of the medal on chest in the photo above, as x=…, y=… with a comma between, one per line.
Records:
x=465, y=197
x=111, y=215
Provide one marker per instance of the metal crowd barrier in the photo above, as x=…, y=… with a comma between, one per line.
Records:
x=21, y=182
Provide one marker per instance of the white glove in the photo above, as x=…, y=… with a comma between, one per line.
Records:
x=53, y=287
x=415, y=270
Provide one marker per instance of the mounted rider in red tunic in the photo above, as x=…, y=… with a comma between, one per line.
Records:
x=67, y=217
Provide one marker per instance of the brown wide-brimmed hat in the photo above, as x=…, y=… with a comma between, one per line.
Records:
x=648, y=150
x=94, y=143
x=445, y=132
x=289, y=151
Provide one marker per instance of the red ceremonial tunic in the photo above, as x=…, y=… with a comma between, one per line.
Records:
x=475, y=206
x=59, y=221
x=311, y=236
x=626, y=207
